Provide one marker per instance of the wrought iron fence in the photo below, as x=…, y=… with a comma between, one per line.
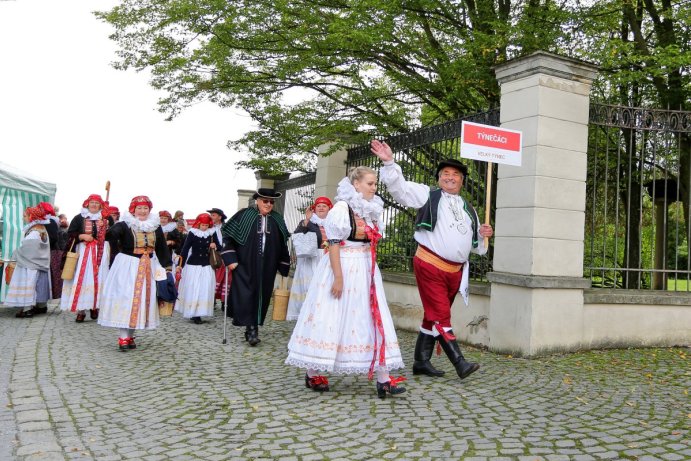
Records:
x=418, y=154
x=298, y=194
x=638, y=197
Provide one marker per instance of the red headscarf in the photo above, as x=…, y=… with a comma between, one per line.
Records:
x=36, y=213
x=48, y=208
x=95, y=198
x=322, y=200
x=163, y=213
x=140, y=200
x=204, y=218
x=114, y=209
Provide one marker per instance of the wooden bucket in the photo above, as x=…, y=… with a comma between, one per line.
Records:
x=70, y=266
x=165, y=309
x=281, y=296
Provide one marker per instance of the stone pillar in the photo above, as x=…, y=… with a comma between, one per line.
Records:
x=244, y=197
x=330, y=170
x=536, y=304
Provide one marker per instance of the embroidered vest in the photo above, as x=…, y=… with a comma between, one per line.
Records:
x=357, y=228
x=427, y=215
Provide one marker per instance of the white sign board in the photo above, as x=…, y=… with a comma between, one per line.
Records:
x=491, y=144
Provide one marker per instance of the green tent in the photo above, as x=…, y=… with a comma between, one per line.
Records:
x=18, y=190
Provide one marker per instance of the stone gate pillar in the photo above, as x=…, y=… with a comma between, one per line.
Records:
x=536, y=304
x=330, y=170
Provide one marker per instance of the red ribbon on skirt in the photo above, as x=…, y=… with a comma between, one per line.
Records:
x=90, y=247
x=374, y=237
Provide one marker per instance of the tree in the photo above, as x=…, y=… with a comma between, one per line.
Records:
x=311, y=71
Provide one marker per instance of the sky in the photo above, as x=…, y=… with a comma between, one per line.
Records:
x=68, y=117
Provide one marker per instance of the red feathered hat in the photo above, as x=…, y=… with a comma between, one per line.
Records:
x=140, y=200
x=48, y=208
x=323, y=200
x=163, y=213
x=204, y=218
x=36, y=213
x=95, y=198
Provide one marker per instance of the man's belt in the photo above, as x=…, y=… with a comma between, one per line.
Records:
x=141, y=251
x=437, y=261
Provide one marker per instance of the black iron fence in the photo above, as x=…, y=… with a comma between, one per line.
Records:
x=638, y=197
x=418, y=154
x=298, y=194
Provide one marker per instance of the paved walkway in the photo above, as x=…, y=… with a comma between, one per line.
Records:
x=67, y=393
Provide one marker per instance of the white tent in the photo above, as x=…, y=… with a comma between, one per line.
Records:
x=18, y=190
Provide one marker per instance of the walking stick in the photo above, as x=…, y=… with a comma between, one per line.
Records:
x=488, y=198
x=225, y=306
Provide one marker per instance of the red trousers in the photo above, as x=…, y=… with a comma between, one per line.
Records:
x=437, y=289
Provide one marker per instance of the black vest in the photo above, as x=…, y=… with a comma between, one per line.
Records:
x=427, y=215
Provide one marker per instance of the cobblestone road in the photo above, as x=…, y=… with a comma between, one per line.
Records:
x=67, y=393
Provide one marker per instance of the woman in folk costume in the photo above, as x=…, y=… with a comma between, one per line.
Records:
x=306, y=265
x=87, y=237
x=30, y=284
x=196, y=292
x=345, y=326
x=219, y=218
x=53, y=228
x=128, y=301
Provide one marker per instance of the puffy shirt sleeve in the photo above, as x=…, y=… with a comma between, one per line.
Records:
x=337, y=224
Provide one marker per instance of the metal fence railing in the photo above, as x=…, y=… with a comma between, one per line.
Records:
x=418, y=154
x=298, y=194
x=638, y=196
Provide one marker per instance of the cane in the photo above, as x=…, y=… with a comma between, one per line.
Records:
x=225, y=306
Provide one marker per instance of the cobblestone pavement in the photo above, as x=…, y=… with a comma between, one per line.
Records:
x=67, y=393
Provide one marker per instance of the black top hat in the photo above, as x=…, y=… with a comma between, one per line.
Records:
x=219, y=212
x=453, y=163
x=266, y=193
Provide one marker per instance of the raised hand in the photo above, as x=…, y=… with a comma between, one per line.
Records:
x=381, y=150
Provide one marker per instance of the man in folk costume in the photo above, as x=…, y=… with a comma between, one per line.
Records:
x=30, y=284
x=447, y=231
x=53, y=228
x=87, y=233
x=219, y=217
x=255, y=248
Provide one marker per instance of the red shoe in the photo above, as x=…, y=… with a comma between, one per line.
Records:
x=130, y=343
x=94, y=314
x=81, y=315
x=124, y=344
x=317, y=383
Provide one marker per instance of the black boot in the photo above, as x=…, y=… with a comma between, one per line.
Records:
x=453, y=352
x=252, y=335
x=424, y=347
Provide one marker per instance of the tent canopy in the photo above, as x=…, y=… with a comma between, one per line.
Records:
x=18, y=190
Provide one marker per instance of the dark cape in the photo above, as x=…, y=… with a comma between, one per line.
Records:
x=253, y=278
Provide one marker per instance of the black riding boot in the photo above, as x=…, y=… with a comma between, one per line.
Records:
x=453, y=352
x=424, y=347
x=252, y=335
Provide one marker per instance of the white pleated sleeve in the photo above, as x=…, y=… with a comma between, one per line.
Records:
x=337, y=224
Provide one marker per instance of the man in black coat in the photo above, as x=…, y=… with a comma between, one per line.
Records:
x=255, y=248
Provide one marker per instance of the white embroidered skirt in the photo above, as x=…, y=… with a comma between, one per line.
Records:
x=85, y=300
x=196, y=291
x=304, y=273
x=119, y=298
x=21, y=291
x=338, y=335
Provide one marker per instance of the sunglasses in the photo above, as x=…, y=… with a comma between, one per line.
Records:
x=266, y=200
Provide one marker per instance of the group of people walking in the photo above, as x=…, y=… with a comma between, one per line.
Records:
x=343, y=323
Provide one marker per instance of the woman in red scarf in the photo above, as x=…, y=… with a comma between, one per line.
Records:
x=129, y=297
x=87, y=237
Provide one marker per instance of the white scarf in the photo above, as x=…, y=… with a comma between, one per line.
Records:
x=86, y=214
x=150, y=224
x=317, y=220
x=169, y=227
x=200, y=233
x=369, y=210
x=31, y=224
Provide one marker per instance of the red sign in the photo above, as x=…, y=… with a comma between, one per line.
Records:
x=490, y=144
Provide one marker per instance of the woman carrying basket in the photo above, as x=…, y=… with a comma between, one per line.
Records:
x=128, y=301
x=87, y=238
x=198, y=282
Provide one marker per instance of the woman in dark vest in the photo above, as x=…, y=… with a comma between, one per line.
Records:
x=345, y=326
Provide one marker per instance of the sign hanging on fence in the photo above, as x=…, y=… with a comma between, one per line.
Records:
x=491, y=144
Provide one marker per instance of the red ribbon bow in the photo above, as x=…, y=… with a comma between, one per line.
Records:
x=319, y=380
x=394, y=381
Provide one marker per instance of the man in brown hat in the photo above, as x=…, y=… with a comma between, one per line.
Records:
x=447, y=231
x=255, y=248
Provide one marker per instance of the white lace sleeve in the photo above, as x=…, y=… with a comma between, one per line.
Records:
x=407, y=193
x=337, y=224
